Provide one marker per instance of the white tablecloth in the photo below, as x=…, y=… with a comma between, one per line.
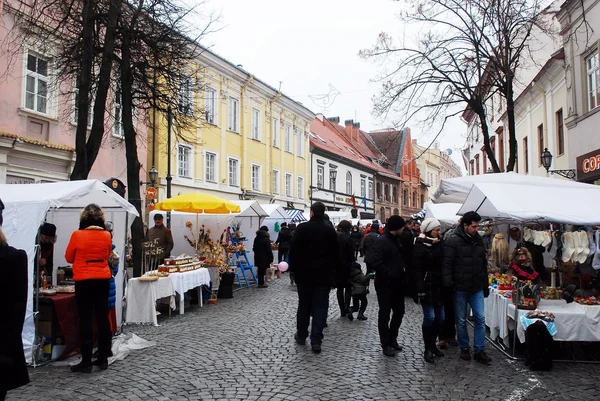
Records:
x=496, y=307
x=142, y=296
x=183, y=282
x=574, y=322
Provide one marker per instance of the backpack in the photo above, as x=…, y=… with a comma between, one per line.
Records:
x=538, y=347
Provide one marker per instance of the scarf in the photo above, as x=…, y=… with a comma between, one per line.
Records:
x=522, y=273
x=427, y=241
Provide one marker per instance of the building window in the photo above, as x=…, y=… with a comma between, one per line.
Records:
x=210, y=105
x=370, y=189
x=186, y=95
x=234, y=115
x=560, y=132
x=395, y=194
x=210, y=164
x=36, y=87
x=256, y=178
x=593, y=80
x=525, y=156
x=118, y=129
x=386, y=192
x=184, y=161
x=234, y=172
x=477, y=164
x=349, y=183
x=472, y=166
x=288, y=138
x=405, y=197
x=484, y=157
x=363, y=187
x=320, y=176
x=275, y=133
x=414, y=199
x=382, y=214
x=540, y=132
x=288, y=184
x=256, y=124
x=300, y=188
x=332, y=183
x=276, y=182
x=300, y=143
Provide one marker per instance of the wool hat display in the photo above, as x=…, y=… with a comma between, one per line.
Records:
x=48, y=229
x=158, y=216
x=264, y=228
x=429, y=224
x=394, y=223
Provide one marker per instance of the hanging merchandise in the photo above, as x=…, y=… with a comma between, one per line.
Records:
x=527, y=235
x=568, y=247
x=584, y=245
x=596, y=259
x=276, y=227
x=591, y=244
x=547, y=240
x=499, y=256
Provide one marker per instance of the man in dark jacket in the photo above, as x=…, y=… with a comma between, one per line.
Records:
x=344, y=264
x=386, y=260
x=464, y=269
x=284, y=239
x=407, y=240
x=263, y=254
x=313, y=258
x=161, y=234
x=367, y=243
x=13, y=292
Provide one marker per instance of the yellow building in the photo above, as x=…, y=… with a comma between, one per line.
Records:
x=250, y=141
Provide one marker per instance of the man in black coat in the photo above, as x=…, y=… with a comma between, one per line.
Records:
x=368, y=242
x=284, y=239
x=313, y=258
x=464, y=269
x=263, y=254
x=13, y=292
x=386, y=260
x=345, y=261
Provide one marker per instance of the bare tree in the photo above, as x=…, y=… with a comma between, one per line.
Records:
x=467, y=52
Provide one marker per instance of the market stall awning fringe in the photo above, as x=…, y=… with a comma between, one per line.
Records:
x=296, y=215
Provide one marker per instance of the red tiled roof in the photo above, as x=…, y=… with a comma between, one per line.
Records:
x=38, y=142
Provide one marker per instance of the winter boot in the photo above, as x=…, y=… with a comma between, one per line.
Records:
x=361, y=316
x=427, y=341
x=349, y=314
x=435, y=330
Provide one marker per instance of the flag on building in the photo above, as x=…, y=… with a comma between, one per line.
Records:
x=353, y=199
x=364, y=202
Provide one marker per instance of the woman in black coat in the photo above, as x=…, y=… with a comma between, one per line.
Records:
x=344, y=264
x=427, y=272
x=356, y=236
x=13, y=292
x=263, y=254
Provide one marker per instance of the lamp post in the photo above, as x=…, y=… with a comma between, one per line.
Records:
x=153, y=174
x=169, y=178
x=571, y=174
x=332, y=177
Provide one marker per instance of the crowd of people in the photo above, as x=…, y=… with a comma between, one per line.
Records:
x=444, y=273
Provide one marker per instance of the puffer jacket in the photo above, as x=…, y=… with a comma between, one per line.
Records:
x=359, y=281
x=464, y=266
x=263, y=254
x=386, y=260
x=427, y=270
x=88, y=251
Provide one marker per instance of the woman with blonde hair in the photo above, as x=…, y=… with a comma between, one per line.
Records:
x=89, y=250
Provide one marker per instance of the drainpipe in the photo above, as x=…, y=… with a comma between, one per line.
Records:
x=242, y=133
x=270, y=145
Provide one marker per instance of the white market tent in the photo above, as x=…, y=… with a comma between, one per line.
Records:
x=577, y=204
x=276, y=214
x=29, y=205
x=456, y=189
x=445, y=213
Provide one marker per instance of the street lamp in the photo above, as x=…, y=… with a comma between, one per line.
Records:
x=153, y=175
x=332, y=177
x=547, y=162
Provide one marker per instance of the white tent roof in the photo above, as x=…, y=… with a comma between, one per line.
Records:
x=514, y=202
x=456, y=189
x=249, y=208
x=275, y=211
x=443, y=212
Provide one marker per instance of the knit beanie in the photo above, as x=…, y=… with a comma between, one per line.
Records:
x=394, y=223
x=429, y=224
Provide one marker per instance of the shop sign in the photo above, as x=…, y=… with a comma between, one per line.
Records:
x=11, y=179
x=151, y=193
x=588, y=166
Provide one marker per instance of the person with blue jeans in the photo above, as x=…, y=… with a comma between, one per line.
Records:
x=427, y=275
x=465, y=270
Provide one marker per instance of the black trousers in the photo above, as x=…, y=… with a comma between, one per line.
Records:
x=261, y=271
x=91, y=297
x=360, y=300
x=448, y=329
x=344, y=295
x=391, y=300
x=312, y=301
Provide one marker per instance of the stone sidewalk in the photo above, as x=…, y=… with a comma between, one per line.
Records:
x=242, y=348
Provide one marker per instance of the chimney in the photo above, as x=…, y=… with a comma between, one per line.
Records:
x=334, y=120
x=349, y=129
x=414, y=142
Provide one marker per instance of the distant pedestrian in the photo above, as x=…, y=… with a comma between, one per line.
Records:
x=313, y=257
x=356, y=236
x=465, y=270
x=427, y=272
x=386, y=260
x=283, y=241
x=360, y=283
x=368, y=242
x=344, y=264
x=263, y=254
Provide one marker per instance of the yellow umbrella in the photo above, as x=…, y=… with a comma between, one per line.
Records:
x=195, y=202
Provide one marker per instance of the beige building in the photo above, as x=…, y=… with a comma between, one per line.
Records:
x=435, y=165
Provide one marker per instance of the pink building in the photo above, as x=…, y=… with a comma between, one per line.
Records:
x=37, y=120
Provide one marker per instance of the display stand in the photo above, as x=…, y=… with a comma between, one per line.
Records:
x=240, y=260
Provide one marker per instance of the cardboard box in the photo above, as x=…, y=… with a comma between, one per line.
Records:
x=45, y=312
x=45, y=329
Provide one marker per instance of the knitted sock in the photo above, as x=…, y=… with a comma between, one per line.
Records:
x=547, y=239
x=568, y=247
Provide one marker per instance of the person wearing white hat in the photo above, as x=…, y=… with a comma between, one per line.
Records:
x=427, y=271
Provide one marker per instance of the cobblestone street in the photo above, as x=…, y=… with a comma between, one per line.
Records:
x=242, y=348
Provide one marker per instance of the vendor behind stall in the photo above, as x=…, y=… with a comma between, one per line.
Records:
x=161, y=234
x=46, y=240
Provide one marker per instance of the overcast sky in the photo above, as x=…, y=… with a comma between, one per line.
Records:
x=311, y=48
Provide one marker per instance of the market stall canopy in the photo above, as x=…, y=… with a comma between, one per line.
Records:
x=296, y=215
x=250, y=208
x=527, y=203
x=445, y=213
x=275, y=211
x=455, y=190
x=196, y=202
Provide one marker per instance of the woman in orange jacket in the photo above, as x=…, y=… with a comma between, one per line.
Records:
x=88, y=251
